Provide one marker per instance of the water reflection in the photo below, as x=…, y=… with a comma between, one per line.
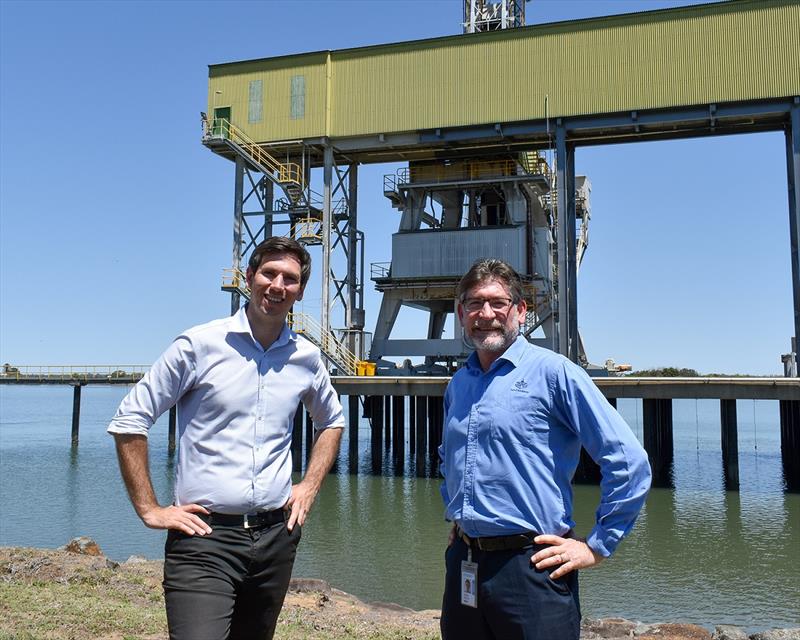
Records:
x=698, y=553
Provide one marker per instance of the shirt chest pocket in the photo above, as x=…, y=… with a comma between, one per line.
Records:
x=521, y=419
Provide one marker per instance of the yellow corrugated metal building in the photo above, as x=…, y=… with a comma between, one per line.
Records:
x=713, y=53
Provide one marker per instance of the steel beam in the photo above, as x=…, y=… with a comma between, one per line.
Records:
x=793, y=174
x=327, y=217
x=238, y=206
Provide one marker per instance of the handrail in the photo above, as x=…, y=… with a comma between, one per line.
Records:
x=287, y=172
x=304, y=324
x=73, y=373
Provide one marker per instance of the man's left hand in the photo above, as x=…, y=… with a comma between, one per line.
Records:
x=299, y=504
x=567, y=554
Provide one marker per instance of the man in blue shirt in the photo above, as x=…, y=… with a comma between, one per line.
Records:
x=516, y=417
x=235, y=520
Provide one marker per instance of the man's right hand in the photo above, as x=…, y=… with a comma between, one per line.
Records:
x=180, y=518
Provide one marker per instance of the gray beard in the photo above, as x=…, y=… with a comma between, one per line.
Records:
x=494, y=343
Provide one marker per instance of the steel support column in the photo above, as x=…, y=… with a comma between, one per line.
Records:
x=657, y=425
x=354, y=317
x=352, y=433
x=790, y=443
x=238, y=207
x=567, y=294
x=793, y=171
x=327, y=216
x=730, y=443
x=76, y=413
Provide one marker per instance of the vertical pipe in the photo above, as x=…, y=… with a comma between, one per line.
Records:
x=327, y=187
x=173, y=422
x=238, y=207
x=422, y=435
x=572, y=262
x=730, y=443
x=790, y=443
x=76, y=413
x=352, y=435
x=297, y=439
x=657, y=426
x=353, y=322
x=269, y=204
x=793, y=170
x=562, y=318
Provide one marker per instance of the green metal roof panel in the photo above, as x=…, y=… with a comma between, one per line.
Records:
x=732, y=51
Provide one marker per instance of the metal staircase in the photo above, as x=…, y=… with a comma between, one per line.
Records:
x=329, y=345
x=287, y=175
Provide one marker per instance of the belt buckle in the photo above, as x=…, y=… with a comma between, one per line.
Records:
x=247, y=524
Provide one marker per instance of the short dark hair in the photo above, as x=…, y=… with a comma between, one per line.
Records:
x=280, y=244
x=491, y=269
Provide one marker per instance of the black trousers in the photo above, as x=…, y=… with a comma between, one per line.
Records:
x=228, y=585
x=516, y=601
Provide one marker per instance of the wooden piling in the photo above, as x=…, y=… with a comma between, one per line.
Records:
x=76, y=413
x=657, y=425
x=790, y=443
x=730, y=443
x=173, y=423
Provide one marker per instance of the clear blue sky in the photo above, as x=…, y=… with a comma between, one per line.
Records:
x=115, y=222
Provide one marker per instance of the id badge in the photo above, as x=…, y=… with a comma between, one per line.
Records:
x=469, y=583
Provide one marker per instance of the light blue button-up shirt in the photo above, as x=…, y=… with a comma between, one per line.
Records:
x=236, y=403
x=512, y=440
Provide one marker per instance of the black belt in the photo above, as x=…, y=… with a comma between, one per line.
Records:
x=499, y=543
x=255, y=520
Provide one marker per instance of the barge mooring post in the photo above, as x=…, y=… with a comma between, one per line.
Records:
x=76, y=412
x=657, y=426
x=730, y=443
x=790, y=443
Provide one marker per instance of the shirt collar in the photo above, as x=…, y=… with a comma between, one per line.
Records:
x=240, y=324
x=513, y=355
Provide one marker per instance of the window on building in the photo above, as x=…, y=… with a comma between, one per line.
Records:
x=298, y=103
x=255, y=106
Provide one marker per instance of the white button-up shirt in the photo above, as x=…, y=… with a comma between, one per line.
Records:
x=236, y=404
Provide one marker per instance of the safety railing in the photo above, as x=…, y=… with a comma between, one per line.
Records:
x=333, y=348
x=307, y=229
x=380, y=270
x=286, y=172
x=74, y=373
x=330, y=345
x=235, y=279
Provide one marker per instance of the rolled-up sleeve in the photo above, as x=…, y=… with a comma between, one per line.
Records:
x=160, y=388
x=613, y=446
x=322, y=401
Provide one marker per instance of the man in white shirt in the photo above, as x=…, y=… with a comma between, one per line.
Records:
x=236, y=517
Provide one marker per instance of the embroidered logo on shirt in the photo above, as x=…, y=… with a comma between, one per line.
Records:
x=519, y=385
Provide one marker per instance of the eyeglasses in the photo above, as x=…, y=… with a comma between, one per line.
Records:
x=498, y=305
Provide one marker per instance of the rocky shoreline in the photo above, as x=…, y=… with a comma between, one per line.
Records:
x=76, y=592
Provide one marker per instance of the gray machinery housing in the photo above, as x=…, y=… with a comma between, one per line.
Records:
x=453, y=213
